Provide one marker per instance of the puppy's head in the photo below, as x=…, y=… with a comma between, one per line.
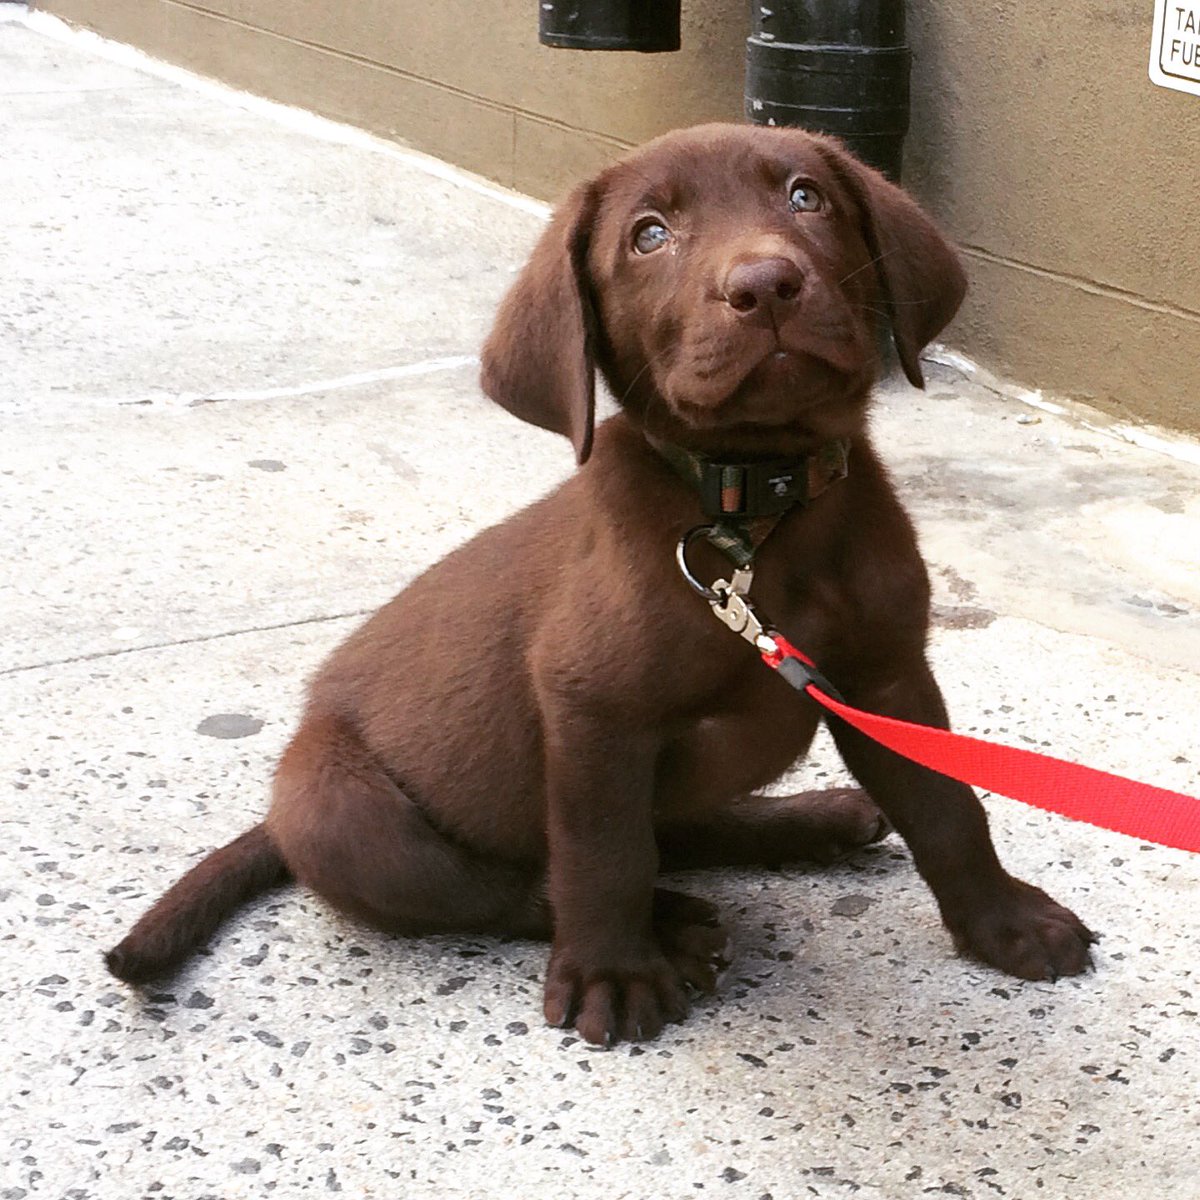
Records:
x=727, y=281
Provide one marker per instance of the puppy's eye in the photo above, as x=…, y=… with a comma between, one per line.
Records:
x=803, y=197
x=650, y=236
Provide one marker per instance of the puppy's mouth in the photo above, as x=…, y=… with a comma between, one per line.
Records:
x=781, y=381
x=779, y=366
x=837, y=349
x=781, y=384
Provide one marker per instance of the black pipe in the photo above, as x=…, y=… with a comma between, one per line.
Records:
x=832, y=66
x=651, y=26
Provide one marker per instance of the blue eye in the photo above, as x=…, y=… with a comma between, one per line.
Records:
x=650, y=236
x=803, y=197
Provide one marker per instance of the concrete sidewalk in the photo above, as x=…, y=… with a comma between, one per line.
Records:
x=239, y=408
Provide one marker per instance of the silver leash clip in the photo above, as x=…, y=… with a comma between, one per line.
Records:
x=728, y=598
x=733, y=609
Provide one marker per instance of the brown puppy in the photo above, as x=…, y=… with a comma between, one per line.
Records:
x=518, y=740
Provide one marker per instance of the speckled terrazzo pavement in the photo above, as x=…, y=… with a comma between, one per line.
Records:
x=176, y=569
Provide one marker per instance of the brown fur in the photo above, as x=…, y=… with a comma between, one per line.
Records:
x=518, y=740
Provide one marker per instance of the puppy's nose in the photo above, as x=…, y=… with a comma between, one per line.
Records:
x=763, y=287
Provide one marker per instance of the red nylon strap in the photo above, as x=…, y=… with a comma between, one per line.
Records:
x=1099, y=798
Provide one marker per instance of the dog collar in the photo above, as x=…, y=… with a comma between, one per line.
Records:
x=746, y=499
x=745, y=490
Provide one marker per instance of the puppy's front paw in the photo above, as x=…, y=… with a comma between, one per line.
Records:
x=630, y=995
x=1020, y=930
x=623, y=999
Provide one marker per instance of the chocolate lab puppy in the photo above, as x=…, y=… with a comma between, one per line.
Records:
x=521, y=739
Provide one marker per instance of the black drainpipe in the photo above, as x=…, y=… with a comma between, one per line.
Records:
x=833, y=66
x=651, y=26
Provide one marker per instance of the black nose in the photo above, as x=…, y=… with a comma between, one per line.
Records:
x=763, y=287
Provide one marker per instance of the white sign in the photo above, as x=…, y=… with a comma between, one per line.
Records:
x=1175, y=45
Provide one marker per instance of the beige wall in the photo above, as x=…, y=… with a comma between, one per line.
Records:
x=1071, y=182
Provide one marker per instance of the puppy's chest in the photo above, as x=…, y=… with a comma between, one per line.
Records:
x=743, y=736
x=805, y=599
x=723, y=679
x=742, y=725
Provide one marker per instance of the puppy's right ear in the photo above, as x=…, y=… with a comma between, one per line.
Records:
x=538, y=361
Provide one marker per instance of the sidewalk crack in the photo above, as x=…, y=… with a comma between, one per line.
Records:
x=358, y=379
x=188, y=641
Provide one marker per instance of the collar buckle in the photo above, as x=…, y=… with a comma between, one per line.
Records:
x=749, y=490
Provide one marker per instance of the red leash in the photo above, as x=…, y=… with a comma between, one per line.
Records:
x=1099, y=798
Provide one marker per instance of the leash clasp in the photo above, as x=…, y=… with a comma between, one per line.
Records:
x=728, y=598
x=734, y=610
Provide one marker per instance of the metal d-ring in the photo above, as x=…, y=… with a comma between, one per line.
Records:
x=713, y=597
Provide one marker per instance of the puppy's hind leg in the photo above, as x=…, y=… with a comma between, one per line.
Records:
x=819, y=826
x=347, y=830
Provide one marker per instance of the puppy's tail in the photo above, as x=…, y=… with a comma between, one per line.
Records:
x=189, y=913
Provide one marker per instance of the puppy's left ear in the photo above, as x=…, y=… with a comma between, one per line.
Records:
x=538, y=361
x=923, y=280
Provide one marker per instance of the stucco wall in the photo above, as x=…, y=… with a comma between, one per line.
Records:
x=1071, y=182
